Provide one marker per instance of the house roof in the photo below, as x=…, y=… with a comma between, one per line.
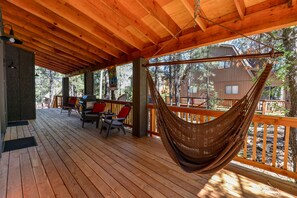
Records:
x=75, y=36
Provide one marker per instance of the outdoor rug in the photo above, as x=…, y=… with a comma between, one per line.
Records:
x=20, y=143
x=18, y=123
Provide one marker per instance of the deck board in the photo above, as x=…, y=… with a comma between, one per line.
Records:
x=73, y=162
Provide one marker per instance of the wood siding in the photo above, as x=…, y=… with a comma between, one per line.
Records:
x=20, y=84
x=232, y=76
x=237, y=74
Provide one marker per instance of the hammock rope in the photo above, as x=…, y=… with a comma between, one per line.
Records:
x=207, y=147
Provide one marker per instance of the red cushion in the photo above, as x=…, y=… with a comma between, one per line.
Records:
x=72, y=101
x=124, y=112
x=98, y=107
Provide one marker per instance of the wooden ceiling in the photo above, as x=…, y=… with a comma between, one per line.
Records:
x=73, y=36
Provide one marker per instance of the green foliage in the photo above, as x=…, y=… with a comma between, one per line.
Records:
x=47, y=84
x=124, y=77
x=76, y=85
x=168, y=79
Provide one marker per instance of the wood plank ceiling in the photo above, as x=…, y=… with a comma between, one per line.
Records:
x=73, y=36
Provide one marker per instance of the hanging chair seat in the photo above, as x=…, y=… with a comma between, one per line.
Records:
x=207, y=147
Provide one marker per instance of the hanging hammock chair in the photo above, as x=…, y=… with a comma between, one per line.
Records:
x=207, y=147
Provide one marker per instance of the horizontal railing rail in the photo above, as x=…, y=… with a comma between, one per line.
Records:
x=264, y=106
x=266, y=145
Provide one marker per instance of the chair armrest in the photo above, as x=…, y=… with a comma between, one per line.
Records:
x=108, y=116
x=119, y=119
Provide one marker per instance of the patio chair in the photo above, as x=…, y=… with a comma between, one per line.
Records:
x=118, y=122
x=95, y=114
x=70, y=105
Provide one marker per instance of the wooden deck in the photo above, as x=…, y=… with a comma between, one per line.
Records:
x=73, y=162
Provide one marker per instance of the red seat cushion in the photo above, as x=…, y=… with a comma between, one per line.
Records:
x=72, y=101
x=124, y=112
x=98, y=107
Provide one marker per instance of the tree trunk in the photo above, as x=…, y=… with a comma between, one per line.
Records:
x=170, y=85
x=50, y=87
x=290, y=47
x=100, y=84
x=177, y=79
x=106, y=85
x=156, y=78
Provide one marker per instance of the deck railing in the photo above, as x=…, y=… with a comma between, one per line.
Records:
x=112, y=105
x=57, y=101
x=264, y=106
x=266, y=146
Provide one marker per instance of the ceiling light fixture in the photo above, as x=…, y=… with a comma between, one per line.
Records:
x=9, y=37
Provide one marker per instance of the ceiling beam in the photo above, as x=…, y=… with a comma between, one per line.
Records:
x=51, y=66
x=46, y=66
x=36, y=49
x=155, y=10
x=189, y=4
x=32, y=31
x=62, y=65
x=57, y=53
x=279, y=17
x=131, y=19
x=59, y=26
x=55, y=48
x=51, y=63
x=39, y=27
x=104, y=16
x=58, y=62
x=77, y=18
x=240, y=8
x=38, y=41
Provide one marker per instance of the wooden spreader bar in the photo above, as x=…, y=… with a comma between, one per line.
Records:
x=219, y=58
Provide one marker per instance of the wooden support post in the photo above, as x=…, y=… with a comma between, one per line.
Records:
x=3, y=107
x=140, y=117
x=89, y=83
x=65, y=90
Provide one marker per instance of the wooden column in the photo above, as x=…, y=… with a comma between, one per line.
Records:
x=140, y=120
x=3, y=107
x=65, y=90
x=89, y=83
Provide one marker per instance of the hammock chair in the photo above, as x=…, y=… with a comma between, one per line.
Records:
x=207, y=147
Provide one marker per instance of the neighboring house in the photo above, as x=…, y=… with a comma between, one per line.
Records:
x=230, y=79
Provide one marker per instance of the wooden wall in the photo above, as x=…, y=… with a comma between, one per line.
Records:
x=20, y=84
x=232, y=76
x=2, y=95
x=3, y=118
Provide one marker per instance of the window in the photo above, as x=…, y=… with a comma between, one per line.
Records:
x=231, y=89
x=224, y=64
x=193, y=89
x=221, y=65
